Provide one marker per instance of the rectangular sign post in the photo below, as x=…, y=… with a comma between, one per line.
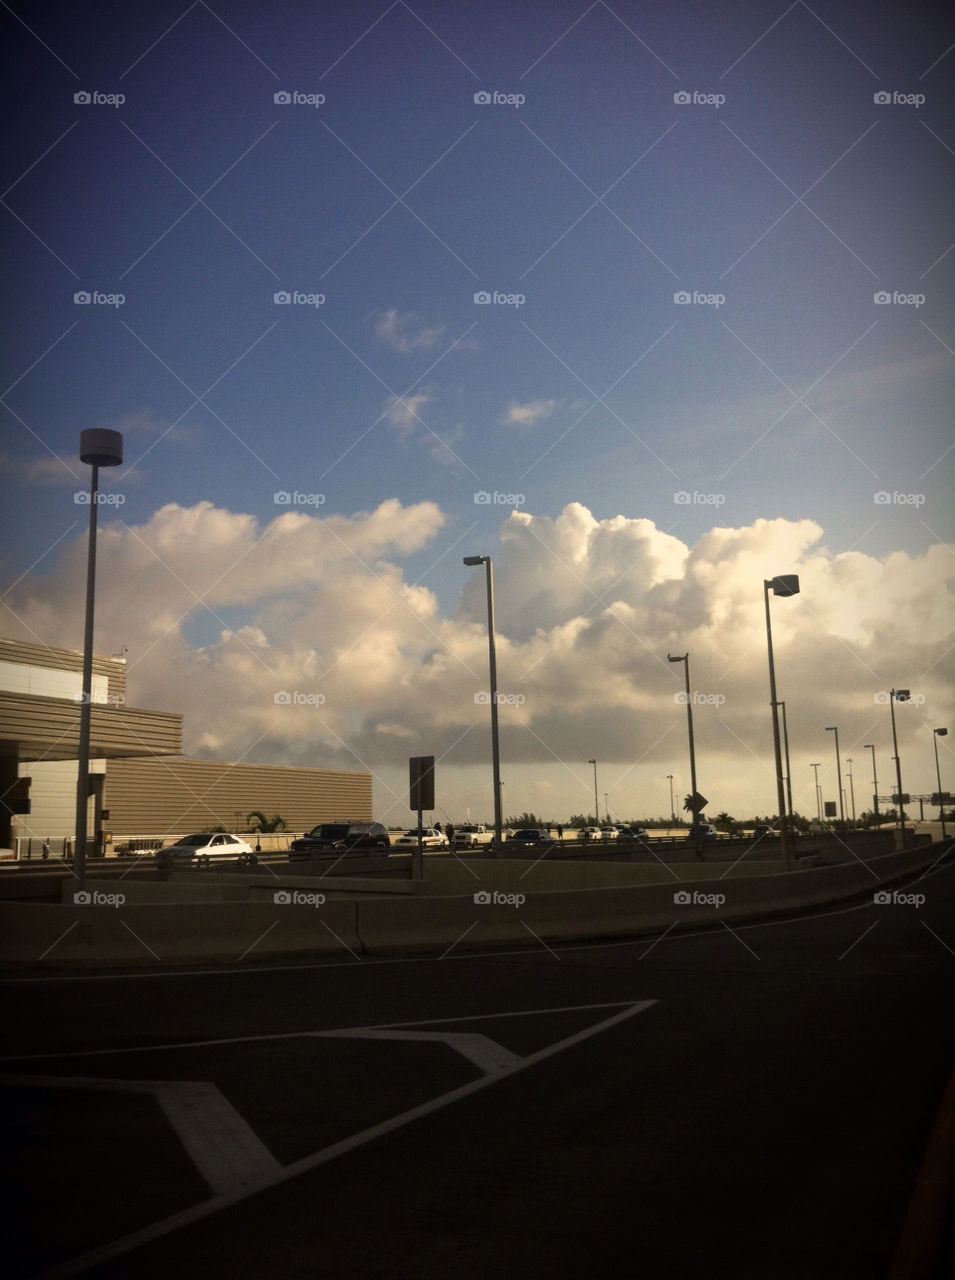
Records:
x=421, y=777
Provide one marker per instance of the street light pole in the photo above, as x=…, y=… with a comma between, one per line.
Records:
x=869, y=746
x=815, y=772
x=672, y=814
x=831, y=728
x=784, y=585
x=852, y=791
x=495, y=738
x=903, y=696
x=596, y=807
x=98, y=448
x=685, y=659
x=789, y=782
x=936, y=734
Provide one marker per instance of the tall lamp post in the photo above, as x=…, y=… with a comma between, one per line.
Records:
x=815, y=773
x=495, y=739
x=98, y=448
x=831, y=728
x=903, y=696
x=869, y=746
x=596, y=808
x=852, y=791
x=936, y=734
x=685, y=659
x=783, y=585
x=789, y=780
x=672, y=814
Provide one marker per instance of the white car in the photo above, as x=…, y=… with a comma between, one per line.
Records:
x=590, y=833
x=608, y=833
x=204, y=848
x=472, y=834
x=431, y=838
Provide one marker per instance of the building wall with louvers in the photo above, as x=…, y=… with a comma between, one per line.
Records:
x=175, y=795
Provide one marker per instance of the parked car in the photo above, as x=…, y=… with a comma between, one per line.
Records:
x=431, y=838
x=204, y=848
x=705, y=831
x=472, y=834
x=529, y=835
x=632, y=833
x=332, y=839
x=590, y=833
x=762, y=832
x=608, y=833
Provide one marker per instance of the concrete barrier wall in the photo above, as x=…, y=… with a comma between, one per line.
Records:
x=34, y=934
x=110, y=931
x=570, y=913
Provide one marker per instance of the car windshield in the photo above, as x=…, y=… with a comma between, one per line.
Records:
x=329, y=831
x=194, y=841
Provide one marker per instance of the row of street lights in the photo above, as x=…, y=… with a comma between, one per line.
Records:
x=104, y=448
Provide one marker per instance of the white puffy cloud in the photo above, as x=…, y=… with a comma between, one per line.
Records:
x=404, y=331
x=221, y=613
x=528, y=413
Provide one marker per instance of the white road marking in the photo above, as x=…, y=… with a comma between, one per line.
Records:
x=487, y=1055
x=226, y=1151
x=294, y=1035
x=285, y=1173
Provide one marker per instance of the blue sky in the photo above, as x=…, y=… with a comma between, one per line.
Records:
x=781, y=199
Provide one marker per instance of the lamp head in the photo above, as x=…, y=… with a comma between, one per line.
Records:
x=100, y=447
x=785, y=584
x=471, y=560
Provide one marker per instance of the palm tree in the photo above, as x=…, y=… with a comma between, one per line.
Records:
x=264, y=824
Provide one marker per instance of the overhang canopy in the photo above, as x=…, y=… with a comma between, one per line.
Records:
x=38, y=728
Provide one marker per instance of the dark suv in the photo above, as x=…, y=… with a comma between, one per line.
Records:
x=332, y=839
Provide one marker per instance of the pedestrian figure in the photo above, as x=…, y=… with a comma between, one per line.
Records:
x=449, y=832
x=46, y=848
x=560, y=832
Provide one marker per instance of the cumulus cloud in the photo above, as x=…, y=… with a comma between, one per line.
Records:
x=528, y=413
x=376, y=669
x=404, y=331
x=404, y=412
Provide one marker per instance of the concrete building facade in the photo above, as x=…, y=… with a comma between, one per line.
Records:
x=139, y=781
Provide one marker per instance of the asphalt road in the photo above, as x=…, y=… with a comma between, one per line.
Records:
x=752, y=1103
